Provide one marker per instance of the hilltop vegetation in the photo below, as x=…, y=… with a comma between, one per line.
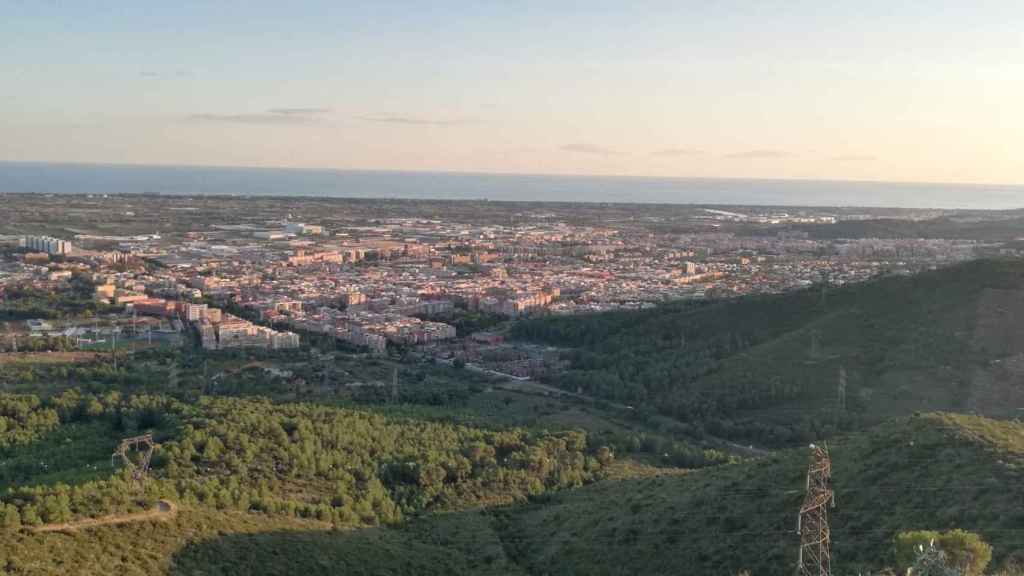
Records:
x=767, y=369
x=1008, y=228
x=931, y=472
x=426, y=391
x=344, y=467
x=22, y=419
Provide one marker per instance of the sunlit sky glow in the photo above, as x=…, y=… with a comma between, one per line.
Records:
x=877, y=90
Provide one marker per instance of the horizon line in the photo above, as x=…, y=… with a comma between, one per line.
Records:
x=527, y=174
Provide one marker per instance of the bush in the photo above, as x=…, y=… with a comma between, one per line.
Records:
x=965, y=551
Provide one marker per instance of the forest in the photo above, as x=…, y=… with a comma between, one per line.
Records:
x=346, y=467
x=765, y=368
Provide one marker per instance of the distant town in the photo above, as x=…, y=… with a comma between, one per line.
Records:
x=441, y=277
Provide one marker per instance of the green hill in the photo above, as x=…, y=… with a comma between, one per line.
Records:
x=935, y=471
x=766, y=369
x=213, y=543
x=1007, y=227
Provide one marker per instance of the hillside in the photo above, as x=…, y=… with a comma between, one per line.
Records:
x=767, y=369
x=348, y=468
x=212, y=543
x=992, y=230
x=934, y=471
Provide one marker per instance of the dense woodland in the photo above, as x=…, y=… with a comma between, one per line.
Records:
x=910, y=479
x=766, y=368
x=347, y=467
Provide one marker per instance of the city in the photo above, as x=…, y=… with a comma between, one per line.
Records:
x=456, y=288
x=395, y=274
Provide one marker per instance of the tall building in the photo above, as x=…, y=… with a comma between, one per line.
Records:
x=194, y=312
x=48, y=244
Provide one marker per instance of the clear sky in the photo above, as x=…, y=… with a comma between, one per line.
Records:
x=882, y=90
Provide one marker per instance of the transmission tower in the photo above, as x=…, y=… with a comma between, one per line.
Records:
x=815, y=556
x=144, y=446
x=826, y=279
x=841, y=389
x=394, y=386
x=815, y=350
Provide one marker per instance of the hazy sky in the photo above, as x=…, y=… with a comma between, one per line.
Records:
x=930, y=91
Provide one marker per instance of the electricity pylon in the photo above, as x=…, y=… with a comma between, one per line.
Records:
x=815, y=351
x=815, y=556
x=394, y=386
x=145, y=446
x=841, y=389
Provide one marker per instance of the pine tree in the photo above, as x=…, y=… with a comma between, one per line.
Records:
x=11, y=518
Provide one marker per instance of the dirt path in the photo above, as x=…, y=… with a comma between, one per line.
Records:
x=163, y=510
x=46, y=357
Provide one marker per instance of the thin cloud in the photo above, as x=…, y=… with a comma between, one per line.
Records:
x=581, y=148
x=299, y=111
x=759, y=154
x=677, y=152
x=412, y=120
x=273, y=116
x=154, y=74
x=854, y=158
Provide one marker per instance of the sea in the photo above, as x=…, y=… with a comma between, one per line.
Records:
x=48, y=178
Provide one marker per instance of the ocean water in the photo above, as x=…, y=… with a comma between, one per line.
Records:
x=187, y=180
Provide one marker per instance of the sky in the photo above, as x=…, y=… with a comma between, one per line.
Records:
x=866, y=90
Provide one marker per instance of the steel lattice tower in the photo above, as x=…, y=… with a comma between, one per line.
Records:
x=145, y=446
x=815, y=557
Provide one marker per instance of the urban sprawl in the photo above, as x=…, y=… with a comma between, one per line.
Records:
x=384, y=281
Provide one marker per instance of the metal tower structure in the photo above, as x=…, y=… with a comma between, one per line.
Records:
x=145, y=446
x=815, y=556
x=815, y=351
x=826, y=281
x=394, y=386
x=841, y=390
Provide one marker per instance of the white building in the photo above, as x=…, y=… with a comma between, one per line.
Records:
x=48, y=244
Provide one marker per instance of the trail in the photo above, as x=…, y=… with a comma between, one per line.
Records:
x=163, y=510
